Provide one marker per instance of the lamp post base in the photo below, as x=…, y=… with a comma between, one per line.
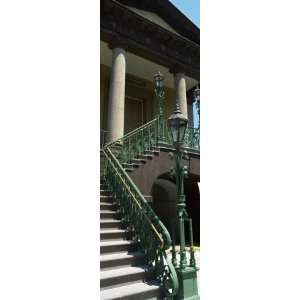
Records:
x=188, y=289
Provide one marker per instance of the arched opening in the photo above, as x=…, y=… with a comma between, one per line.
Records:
x=164, y=201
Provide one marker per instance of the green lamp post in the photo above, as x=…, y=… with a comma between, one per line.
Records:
x=159, y=91
x=186, y=272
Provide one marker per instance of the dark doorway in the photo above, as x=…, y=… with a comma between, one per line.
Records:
x=134, y=113
x=164, y=202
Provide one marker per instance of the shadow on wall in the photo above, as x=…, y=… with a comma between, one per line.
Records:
x=164, y=202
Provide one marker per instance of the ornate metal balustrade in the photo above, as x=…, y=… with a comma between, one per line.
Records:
x=136, y=142
x=148, y=136
x=192, y=138
x=149, y=231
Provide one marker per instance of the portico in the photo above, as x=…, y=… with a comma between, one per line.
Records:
x=133, y=49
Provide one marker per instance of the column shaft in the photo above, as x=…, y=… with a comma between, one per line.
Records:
x=116, y=101
x=180, y=87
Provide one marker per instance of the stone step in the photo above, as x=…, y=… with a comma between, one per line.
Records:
x=130, y=165
x=139, y=161
x=113, y=234
x=105, y=192
x=136, y=291
x=117, y=246
x=155, y=148
x=121, y=259
x=110, y=223
x=106, y=198
x=108, y=206
x=151, y=152
x=108, y=214
x=122, y=276
x=145, y=156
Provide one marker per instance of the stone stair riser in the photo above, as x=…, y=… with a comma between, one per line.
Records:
x=122, y=262
x=108, y=206
x=147, y=295
x=108, y=215
x=124, y=279
x=106, y=198
x=105, y=192
x=111, y=225
x=114, y=235
x=117, y=248
x=139, y=161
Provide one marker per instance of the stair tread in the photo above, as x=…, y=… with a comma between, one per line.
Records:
x=110, y=221
x=121, y=255
x=108, y=230
x=118, y=242
x=105, y=274
x=129, y=289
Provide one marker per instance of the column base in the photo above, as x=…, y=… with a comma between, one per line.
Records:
x=188, y=289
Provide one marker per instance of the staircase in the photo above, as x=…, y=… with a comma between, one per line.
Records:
x=134, y=241
x=124, y=274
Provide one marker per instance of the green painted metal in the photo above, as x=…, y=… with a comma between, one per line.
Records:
x=148, y=136
x=188, y=288
x=179, y=173
x=154, y=239
x=159, y=91
x=186, y=272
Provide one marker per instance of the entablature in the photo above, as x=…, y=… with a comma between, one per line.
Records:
x=147, y=39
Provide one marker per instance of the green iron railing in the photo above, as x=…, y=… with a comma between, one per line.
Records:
x=148, y=230
x=153, y=237
x=192, y=138
x=148, y=136
x=136, y=142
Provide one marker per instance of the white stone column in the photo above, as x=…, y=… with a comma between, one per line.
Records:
x=180, y=87
x=116, y=101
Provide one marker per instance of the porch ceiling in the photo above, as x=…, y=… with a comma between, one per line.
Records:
x=141, y=67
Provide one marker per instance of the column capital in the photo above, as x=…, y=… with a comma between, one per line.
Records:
x=118, y=42
x=177, y=68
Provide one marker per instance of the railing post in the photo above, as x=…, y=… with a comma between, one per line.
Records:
x=182, y=243
x=174, y=260
x=187, y=274
x=192, y=252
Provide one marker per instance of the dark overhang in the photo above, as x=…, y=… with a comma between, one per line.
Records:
x=170, y=14
x=147, y=39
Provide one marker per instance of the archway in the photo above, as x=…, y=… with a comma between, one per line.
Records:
x=164, y=201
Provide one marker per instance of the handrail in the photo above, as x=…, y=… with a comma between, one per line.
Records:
x=167, y=235
x=132, y=132
x=153, y=237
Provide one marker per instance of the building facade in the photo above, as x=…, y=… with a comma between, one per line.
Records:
x=138, y=39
